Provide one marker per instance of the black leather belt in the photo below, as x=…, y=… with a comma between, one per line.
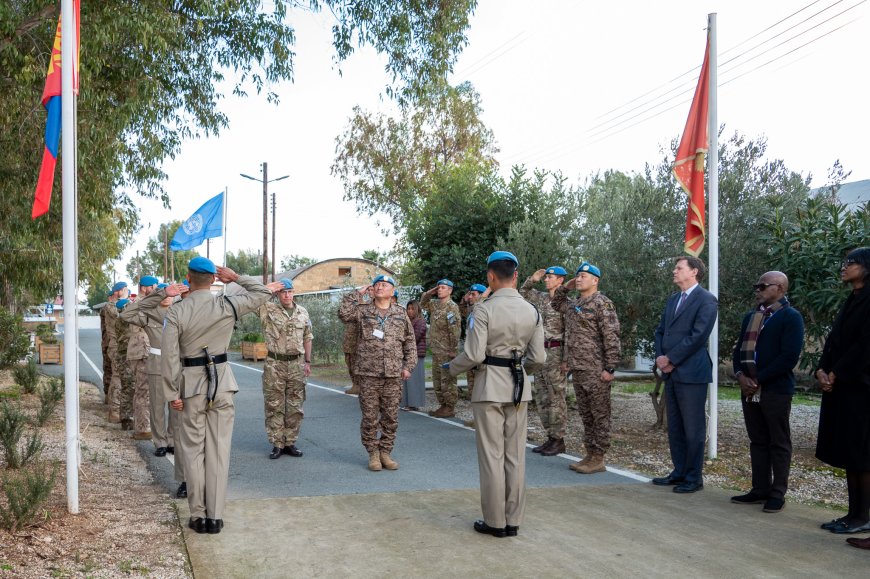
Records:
x=202, y=361
x=283, y=357
x=552, y=343
x=496, y=361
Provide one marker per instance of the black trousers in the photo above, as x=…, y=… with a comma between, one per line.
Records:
x=767, y=423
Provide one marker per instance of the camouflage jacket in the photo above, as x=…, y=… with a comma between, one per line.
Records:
x=148, y=314
x=109, y=317
x=445, y=325
x=122, y=338
x=385, y=340
x=554, y=321
x=591, y=330
x=286, y=331
x=351, y=332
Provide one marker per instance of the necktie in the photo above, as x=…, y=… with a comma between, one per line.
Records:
x=680, y=303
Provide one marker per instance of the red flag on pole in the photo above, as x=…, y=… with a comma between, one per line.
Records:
x=689, y=163
x=51, y=101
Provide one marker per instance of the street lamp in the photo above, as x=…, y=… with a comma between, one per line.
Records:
x=265, y=181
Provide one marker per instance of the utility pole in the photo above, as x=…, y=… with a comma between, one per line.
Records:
x=274, y=254
x=265, y=181
x=165, y=252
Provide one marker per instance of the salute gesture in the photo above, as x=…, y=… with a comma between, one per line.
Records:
x=538, y=275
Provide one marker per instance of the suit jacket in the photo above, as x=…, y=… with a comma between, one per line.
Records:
x=499, y=324
x=682, y=337
x=203, y=319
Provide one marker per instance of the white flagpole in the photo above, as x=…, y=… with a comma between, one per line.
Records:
x=226, y=195
x=70, y=257
x=713, y=228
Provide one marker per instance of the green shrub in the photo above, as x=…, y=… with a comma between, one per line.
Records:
x=27, y=377
x=46, y=334
x=12, y=423
x=49, y=396
x=26, y=491
x=248, y=326
x=14, y=341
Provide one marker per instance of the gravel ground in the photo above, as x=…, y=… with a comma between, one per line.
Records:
x=126, y=525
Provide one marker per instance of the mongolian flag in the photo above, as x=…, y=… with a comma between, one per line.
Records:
x=689, y=163
x=51, y=101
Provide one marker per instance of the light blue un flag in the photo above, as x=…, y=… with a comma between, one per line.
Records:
x=207, y=222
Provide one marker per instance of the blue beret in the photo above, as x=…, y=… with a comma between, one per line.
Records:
x=119, y=286
x=110, y=294
x=288, y=284
x=396, y=294
x=148, y=280
x=187, y=283
x=557, y=270
x=500, y=255
x=446, y=282
x=588, y=268
x=202, y=265
x=477, y=288
x=121, y=303
x=385, y=278
x=162, y=285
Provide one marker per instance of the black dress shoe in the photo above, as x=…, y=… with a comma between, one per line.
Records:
x=198, y=524
x=181, y=493
x=214, y=526
x=292, y=451
x=750, y=498
x=845, y=528
x=276, y=453
x=482, y=527
x=558, y=447
x=170, y=449
x=831, y=524
x=160, y=451
x=688, y=487
x=511, y=530
x=667, y=480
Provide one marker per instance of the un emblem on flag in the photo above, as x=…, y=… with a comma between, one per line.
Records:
x=193, y=225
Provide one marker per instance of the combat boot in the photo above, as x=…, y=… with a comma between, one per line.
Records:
x=375, y=461
x=126, y=424
x=142, y=435
x=581, y=463
x=352, y=390
x=436, y=411
x=388, y=462
x=468, y=423
x=557, y=447
x=446, y=411
x=545, y=445
x=114, y=417
x=595, y=464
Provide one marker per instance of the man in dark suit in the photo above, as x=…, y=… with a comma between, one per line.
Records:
x=683, y=359
x=772, y=337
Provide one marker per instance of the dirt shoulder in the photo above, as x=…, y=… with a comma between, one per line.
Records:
x=126, y=526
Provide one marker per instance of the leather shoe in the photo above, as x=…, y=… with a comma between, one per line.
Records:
x=198, y=524
x=482, y=527
x=688, y=487
x=170, y=449
x=749, y=498
x=181, y=493
x=773, y=505
x=831, y=524
x=667, y=480
x=860, y=543
x=276, y=453
x=542, y=447
x=160, y=451
x=511, y=530
x=292, y=450
x=847, y=529
x=214, y=526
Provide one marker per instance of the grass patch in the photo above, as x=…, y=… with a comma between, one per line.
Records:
x=726, y=392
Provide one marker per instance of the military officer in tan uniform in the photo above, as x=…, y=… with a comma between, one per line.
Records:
x=502, y=329
x=119, y=291
x=592, y=339
x=445, y=325
x=386, y=355
x=196, y=335
x=551, y=379
x=287, y=328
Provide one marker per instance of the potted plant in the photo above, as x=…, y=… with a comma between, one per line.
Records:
x=49, y=349
x=254, y=347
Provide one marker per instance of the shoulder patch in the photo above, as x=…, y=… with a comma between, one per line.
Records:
x=470, y=321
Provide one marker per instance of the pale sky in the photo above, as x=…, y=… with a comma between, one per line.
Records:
x=555, y=78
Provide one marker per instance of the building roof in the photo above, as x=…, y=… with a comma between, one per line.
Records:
x=851, y=194
x=294, y=273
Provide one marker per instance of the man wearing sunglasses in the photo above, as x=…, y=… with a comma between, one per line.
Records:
x=772, y=337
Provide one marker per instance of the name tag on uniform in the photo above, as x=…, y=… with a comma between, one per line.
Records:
x=450, y=317
x=379, y=334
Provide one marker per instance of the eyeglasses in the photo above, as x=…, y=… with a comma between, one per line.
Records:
x=760, y=287
x=847, y=262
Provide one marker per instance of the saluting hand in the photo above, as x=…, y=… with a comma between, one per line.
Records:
x=175, y=289
x=275, y=286
x=571, y=283
x=365, y=290
x=226, y=275
x=538, y=275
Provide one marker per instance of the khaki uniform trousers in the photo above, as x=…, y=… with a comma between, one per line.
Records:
x=206, y=437
x=500, y=429
x=161, y=428
x=175, y=438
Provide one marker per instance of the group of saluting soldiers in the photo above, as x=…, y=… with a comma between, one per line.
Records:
x=189, y=374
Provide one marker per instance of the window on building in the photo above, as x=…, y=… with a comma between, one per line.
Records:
x=343, y=271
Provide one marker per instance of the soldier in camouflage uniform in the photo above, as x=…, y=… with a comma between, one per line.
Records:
x=119, y=291
x=138, y=399
x=122, y=394
x=550, y=380
x=107, y=331
x=386, y=355
x=445, y=325
x=466, y=305
x=287, y=328
x=348, y=346
x=592, y=340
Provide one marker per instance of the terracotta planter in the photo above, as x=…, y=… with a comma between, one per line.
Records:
x=50, y=353
x=254, y=351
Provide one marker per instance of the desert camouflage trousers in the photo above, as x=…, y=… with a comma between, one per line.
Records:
x=349, y=360
x=442, y=382
x=549, y=391
x=593, y=402
x=283, y=396
x=379, y=402
x=135, y=396
x=107, y=371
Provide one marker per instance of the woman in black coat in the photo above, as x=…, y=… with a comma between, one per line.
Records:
x=844, y=419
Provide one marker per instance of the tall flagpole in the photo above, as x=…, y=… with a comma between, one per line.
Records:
x=226, y=193
x=713, y=224
x=70, y=257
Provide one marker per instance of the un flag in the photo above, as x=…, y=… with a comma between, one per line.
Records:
x=207, y=222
